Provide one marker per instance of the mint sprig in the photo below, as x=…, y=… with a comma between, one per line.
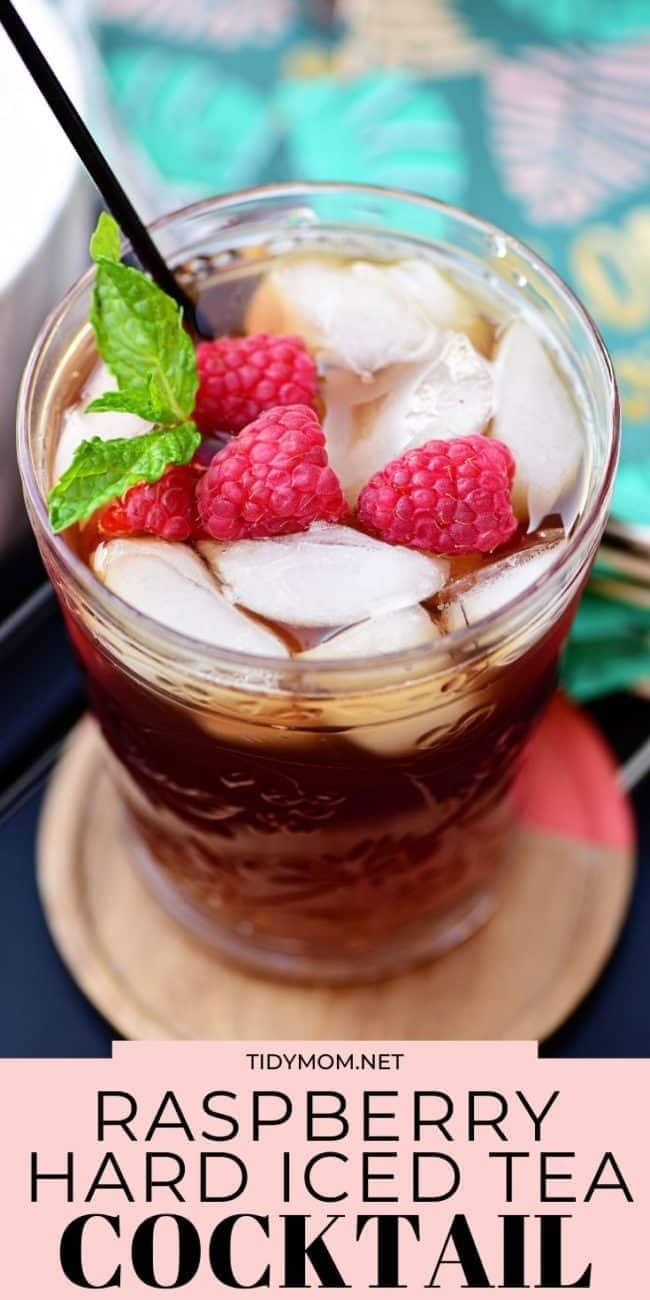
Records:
x=140, y=335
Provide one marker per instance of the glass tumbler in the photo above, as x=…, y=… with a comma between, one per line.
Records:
x=327, y=821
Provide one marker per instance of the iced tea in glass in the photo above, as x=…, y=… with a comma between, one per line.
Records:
x=314, y=735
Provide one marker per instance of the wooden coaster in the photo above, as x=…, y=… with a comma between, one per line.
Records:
x=565, y=894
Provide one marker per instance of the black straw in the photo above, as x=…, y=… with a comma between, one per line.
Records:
x=95, y=163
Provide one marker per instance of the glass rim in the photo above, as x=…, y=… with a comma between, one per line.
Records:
x=512, y=613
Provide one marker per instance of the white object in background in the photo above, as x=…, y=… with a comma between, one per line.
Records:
x=45, y=217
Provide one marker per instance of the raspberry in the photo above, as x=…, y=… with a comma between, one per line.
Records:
x=166, y=508
x=272, y=478
x=240, y=378
x=451, y=497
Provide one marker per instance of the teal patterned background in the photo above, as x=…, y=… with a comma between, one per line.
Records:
x=533, y=115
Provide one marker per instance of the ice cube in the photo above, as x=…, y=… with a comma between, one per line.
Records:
x=393, y=739
x=367, y=425
x=537, y=419
x=352, y=406
x=359, y=315
x=446, y=397
x=168, y=582
x=402, y=629
x=443, y=302
x=76, y=425
x=426, y=722
x=492, y=587
x=330, y=576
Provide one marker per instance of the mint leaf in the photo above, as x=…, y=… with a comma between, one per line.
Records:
x=139, y=332
x=126, y=399
x=105, y=241
x=102, y=470
x=147, y=402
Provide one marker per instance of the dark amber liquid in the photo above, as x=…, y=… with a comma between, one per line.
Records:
x=319, y=849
